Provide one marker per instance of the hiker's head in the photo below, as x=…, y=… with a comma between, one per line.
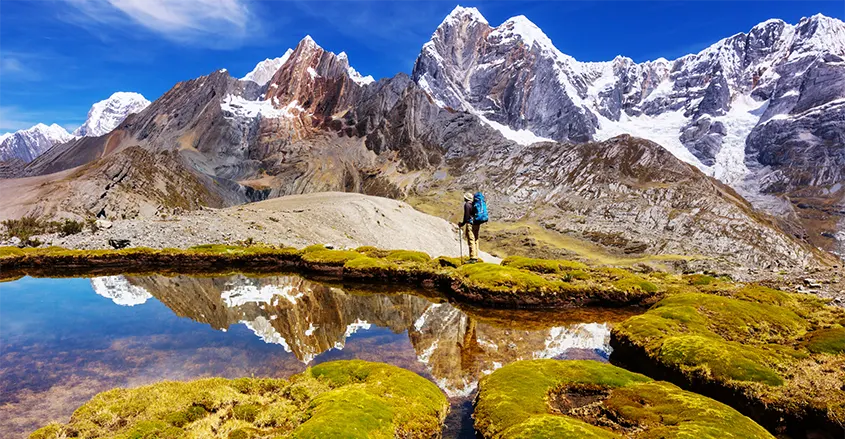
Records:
x=468, y=196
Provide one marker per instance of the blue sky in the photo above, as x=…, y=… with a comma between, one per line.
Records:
x=57, y=57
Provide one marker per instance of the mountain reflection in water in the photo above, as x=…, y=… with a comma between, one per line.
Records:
x=294, y=321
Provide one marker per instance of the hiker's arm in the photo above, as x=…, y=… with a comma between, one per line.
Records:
x=467, y=214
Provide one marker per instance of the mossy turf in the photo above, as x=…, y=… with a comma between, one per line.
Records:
x=592, y=400
x=782, y=351
x=341, y=399
x=518, y=282
x=561, y=280
x=543, y=265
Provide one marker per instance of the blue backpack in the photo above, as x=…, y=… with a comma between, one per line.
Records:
x=479, y=209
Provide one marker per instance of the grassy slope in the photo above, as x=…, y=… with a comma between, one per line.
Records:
x=496, y=239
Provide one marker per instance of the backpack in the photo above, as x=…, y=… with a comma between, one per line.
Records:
x=479, y=209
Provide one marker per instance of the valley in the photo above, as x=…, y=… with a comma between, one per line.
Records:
x=277, y=254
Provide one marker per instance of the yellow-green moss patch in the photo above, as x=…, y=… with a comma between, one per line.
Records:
x=330, y=257
x=10, y=251
x=588, y=399
x=828, y=341
x=763, y=343
x=504, y=278
x=349, y=399
x=543, y=265
x=408, y=256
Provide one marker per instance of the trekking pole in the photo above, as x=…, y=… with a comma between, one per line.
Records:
x=461, y=244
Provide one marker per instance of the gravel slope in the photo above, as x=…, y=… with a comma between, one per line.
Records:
x=344, y=220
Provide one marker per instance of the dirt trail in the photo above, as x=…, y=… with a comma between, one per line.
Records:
x=345, y=220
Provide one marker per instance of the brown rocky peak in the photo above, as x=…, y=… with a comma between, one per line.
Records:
x=314, y=79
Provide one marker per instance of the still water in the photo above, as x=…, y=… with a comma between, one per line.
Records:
x=64, y=340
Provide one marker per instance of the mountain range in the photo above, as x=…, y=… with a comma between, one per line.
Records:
x=620, y=154
x=21, y=147
x=762, y=111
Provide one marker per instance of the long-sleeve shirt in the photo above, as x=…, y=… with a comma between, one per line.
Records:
x=468, y=213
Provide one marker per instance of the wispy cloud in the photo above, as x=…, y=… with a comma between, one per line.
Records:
x=11, y=66
x=13, y=120
x=208, y=23
x=14, y=68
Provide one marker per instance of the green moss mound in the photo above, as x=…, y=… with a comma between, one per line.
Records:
x=781, y=351
x=330, y=257
x=408, y=256
x=543, y=265
x=828, y=341
x=341, y=399
x=503, y=278
x=592, y=400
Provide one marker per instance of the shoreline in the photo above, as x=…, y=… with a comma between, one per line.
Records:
x=493, y=287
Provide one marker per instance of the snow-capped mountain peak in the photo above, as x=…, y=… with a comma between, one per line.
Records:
x=523, y=28
x=461, y=13
x=353, y=74
x=120, y=291
x=28, y=144
x=702, y=107
x=309, y=42
x=264, y=70
x=106, y=115
x=819, y=34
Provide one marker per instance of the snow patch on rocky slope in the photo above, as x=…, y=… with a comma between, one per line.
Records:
x=264, y=70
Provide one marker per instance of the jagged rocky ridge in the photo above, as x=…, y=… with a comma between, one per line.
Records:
x=762, y=111
x=318, y=125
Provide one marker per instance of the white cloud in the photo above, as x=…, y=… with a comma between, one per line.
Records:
x=215, y=23
x=11, y=65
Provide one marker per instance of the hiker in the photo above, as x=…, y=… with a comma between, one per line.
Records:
x=475, y=214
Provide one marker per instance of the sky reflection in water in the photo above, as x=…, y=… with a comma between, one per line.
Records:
x=64, y=340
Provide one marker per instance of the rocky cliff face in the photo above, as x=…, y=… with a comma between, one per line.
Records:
x=514, y=75
x=760, y=111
